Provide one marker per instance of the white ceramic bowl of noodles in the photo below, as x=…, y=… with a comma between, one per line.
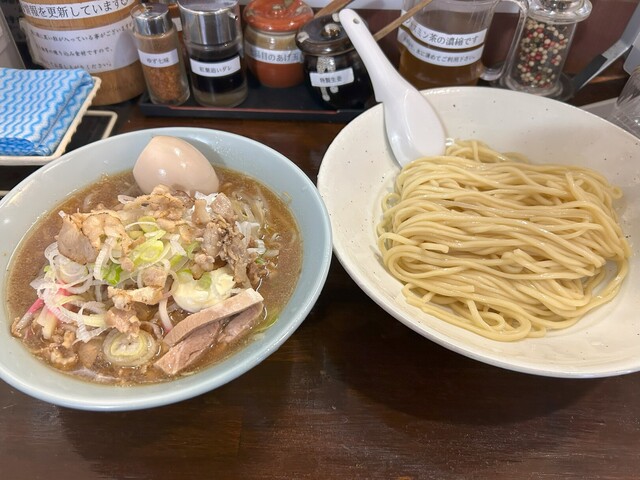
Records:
x=46, y=187
x=358, y=169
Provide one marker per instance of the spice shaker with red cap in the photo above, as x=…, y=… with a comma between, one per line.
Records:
x=270, y=40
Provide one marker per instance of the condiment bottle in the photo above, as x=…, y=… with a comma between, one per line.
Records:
x=537, y=62
x=334, y=70
x=213, y=39
x=270, y=40
x=174, y=13
x=160, y=54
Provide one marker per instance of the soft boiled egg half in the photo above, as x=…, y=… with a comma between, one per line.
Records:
x=175, y=163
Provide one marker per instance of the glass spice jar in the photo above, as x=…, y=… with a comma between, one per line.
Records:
x=270, y=40
x=537, y=61
x=334, y=70
x=213, y=39
x=160, y=54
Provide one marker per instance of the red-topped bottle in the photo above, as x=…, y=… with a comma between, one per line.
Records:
x=269, y=40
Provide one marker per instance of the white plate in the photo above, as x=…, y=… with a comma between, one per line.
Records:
x=358, y=169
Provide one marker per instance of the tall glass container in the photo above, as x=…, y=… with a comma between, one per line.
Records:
x=213, y=39
x=443, y=43
x=537, y=62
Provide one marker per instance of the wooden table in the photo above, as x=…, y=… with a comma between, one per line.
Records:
x=352, y=394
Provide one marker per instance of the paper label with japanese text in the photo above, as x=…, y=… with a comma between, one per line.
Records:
x=332, y=79
x=453, y=41
x=159, y=60
x=215, y=69
x=73, y=11
x=444, y=58
x=96, y=50
x=278, y=57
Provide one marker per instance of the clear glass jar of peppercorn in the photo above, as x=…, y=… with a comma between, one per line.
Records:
x=537, y=62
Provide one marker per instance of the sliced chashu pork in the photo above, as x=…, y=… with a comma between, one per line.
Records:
x=190, y=338
x=240, y=324
x=223, y=310
x=187, y=351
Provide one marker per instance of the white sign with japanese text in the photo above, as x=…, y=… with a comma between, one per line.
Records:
x=73, y=11
x=96, y=50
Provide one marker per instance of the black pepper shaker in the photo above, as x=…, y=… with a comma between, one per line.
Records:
x=333, y=69
x=537, y=61
x=213, y=39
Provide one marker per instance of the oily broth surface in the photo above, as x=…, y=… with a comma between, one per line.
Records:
x=28, y=260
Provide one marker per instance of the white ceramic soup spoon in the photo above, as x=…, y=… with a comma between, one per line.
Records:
x=413, y=127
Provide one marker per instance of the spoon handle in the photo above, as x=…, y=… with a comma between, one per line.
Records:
x=385, y=79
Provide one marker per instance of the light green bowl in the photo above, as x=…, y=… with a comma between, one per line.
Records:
x=42, y=190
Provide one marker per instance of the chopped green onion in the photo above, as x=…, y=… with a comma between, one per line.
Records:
x=204, y=282
x=150, y=251
x=135, y=234
x=97, y=320
x=156, y=235
x=148, y=224
x=111, y=275
x=126, y=350
x=177, y=261
x=190, y=249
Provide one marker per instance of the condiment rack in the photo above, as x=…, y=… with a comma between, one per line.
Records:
x=295, y=102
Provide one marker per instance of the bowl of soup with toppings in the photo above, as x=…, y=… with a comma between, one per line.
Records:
x=154, y=266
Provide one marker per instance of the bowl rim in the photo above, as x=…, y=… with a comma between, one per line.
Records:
x=453, y=99
x=100, y=397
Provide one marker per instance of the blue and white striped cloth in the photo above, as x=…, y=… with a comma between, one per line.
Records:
x=37, y=107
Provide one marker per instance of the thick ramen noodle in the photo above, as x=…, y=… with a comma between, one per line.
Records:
x=501, y=247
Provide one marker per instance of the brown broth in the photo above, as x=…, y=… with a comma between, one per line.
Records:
x=29, y=260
